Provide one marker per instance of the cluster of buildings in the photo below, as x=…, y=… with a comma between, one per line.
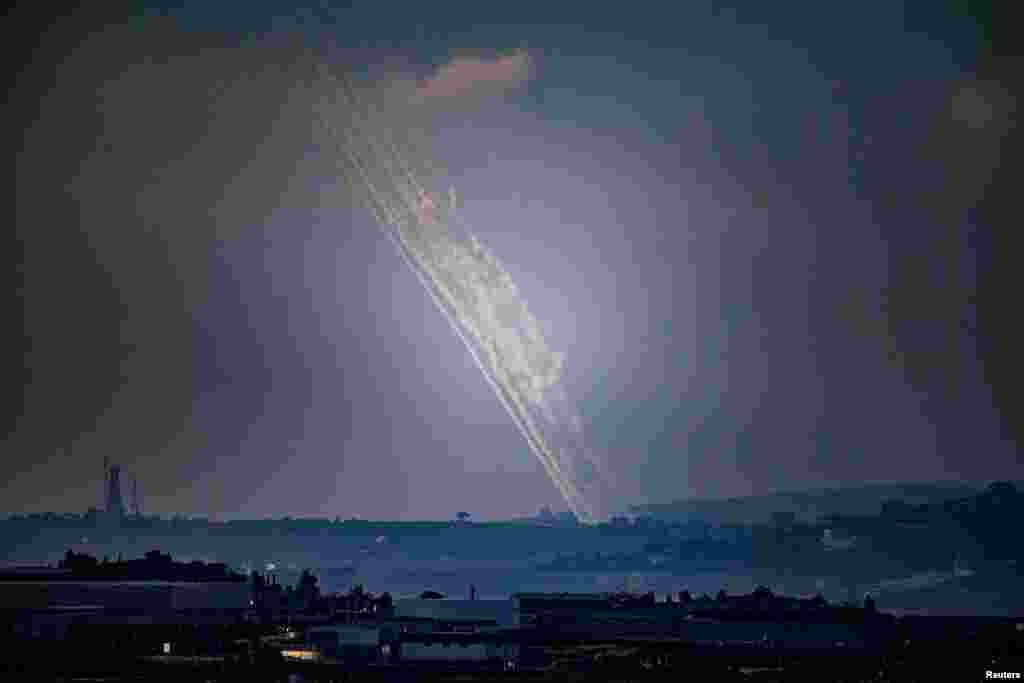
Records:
x=515, y=633
x=82, y=601
x=232, y=617
x=421, y=632
x=504, y=632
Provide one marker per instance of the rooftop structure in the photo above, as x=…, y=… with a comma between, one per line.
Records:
x=113, y=503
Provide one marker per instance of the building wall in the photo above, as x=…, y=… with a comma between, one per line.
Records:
x=142, y=595
x=500, y=611
x=55, y=624
x=577, y=607
x=439, y=652
x=346, y=640
x=345, y=634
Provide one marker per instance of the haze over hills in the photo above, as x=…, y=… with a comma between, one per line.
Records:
x=811, y=504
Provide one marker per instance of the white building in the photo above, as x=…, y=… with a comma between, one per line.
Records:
x=500, y=612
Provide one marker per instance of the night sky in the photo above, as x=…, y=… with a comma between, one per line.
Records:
x=770, y=239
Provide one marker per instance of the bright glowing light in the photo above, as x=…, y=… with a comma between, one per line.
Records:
x=466, y=282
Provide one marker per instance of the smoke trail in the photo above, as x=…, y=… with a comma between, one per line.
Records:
x=385, y=164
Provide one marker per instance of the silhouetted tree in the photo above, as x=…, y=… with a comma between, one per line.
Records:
x=307, y=579
x=157, y=558
x=78, y=562
x=1001, y=492
x=431, y=595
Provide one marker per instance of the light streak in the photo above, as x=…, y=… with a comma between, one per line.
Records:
x=468, y=286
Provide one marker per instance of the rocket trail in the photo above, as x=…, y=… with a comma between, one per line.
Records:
x=466, y=283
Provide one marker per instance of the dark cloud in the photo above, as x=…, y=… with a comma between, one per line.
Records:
x=149, y=147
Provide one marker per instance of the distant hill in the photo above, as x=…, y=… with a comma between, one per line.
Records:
x=809, y=505
x=155, y=566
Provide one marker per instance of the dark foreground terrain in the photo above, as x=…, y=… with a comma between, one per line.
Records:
x=932, y=657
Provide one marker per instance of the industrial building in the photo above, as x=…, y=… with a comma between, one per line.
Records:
x=421, y=631
x=414, y=641
x=499, y=612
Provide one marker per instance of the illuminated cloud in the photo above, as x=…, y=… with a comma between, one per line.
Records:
x=469, y=74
